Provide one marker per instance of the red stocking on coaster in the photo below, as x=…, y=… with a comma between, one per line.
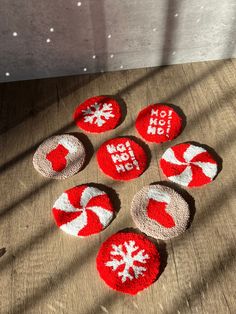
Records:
x=98, y=114
x=59, y=157
x=128, y=262
x=188, y=165
x=158, y=123
x=160, y=212
x=83, y=210
x=122, y=158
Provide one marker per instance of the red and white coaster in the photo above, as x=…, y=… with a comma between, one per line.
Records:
x=59, y=157
x=128, y=262
x=160, y=212
x=158, y=123
x=188, y=165
x=122, y=158
x=83, y=210
x=98, y=114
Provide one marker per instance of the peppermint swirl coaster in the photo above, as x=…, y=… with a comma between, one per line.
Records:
x=59, y=157
x=128, y=262
x=98, y=114
x=188, y=165
x=83, y=210
x=158, y=123
x=122, y=158
x=160, y=212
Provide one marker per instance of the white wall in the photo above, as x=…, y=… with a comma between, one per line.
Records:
x=143, y=33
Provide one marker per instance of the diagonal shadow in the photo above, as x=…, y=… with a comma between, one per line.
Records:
x=22, y=249
x=211, y=276
x=121, y=93
x=226, y=262
x=99, y=34
x=44, y=91
x=28, y=302
x=58, y=278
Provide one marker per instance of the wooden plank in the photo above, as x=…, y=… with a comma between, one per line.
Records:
x=46, y=271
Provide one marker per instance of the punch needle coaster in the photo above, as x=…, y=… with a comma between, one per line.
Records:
x=160, y=212
x=83, y=210
x=188, y=165
x=98, y=114
x=122, y=158
x=59, y=157
x=158, y=123
x=128, y=262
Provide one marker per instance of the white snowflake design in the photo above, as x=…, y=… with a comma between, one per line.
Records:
x=128, y=260
x=98, y=113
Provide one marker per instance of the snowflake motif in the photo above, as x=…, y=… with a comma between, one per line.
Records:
x=98, y=113
x=128, y=260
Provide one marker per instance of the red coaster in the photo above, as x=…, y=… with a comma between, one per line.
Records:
x=158, y=123
x=59, y=157
x=83, y=210
x=160, y=212
x=188, y=165
x=98, y=114
x=122, y=158
x=128, y=262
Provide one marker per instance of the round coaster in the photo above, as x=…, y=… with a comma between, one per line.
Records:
x=158, y=123
x=160, y=212
x=188, y=165
x=128, y=262
x=59, y=157
x=122, y=158
x=98, y=114
x=83, y=210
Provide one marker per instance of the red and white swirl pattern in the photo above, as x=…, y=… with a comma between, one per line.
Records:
x=188, y=165
x=83, y=210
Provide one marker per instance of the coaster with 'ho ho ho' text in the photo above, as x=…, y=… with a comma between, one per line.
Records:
x=158, y=123
x=122, y=158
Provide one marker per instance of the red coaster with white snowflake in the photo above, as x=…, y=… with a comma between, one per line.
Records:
x=122, y=158
x=158, y=123
x=59, y=157
x=188, y=165
x=83, y=210
x=98, y=114
x=160, y=212
x=128, y=262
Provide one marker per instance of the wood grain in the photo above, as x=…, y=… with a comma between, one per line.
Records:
x=46, y=271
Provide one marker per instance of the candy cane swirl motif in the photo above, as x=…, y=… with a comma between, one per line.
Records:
x=83, y=210
x=188, y=165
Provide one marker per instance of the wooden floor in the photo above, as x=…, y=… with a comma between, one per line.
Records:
x=43, y=270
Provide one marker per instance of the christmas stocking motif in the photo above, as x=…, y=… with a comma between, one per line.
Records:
x=122, y=158
x=188, y=165
x=59, y=157
x=98, y=114
x=158, y=123
x=128, y=262
x=160, y=212
x=83, y=210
